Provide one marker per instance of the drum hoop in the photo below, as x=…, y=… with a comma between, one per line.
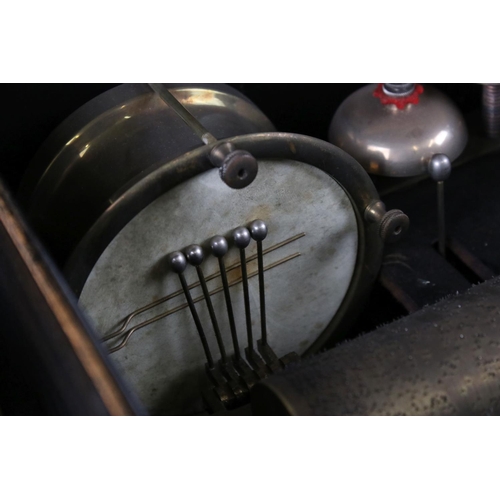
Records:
x=132, y=198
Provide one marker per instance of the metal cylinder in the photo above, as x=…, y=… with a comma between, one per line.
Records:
x=441, y=360
x=491, y=109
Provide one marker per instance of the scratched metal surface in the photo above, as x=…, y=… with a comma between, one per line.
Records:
x=162, y=361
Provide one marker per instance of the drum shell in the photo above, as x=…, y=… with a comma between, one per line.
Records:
x=112, y=142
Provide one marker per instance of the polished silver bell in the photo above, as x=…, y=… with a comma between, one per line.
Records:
x=393, y=132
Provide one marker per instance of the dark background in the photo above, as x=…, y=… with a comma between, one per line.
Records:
x=31, y=111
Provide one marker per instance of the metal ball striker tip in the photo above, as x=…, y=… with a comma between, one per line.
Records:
x=177, y=262
x=258, y=230
x=439, y=167
x=241, y=237
x=194, y=254
x=219, y=246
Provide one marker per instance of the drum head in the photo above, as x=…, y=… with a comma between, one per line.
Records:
x=311, y=253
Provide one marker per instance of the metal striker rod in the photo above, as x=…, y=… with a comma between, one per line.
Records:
x=220, y=247
x=441, y=219
x=178, y=263
x=229, y=307
x=262, y=293
x=242, y=238
x=211, y=312
x=197, y=322
x=183, y=113
x=258, y=231
x=246, y=298
x=195, y=256
x=439, y=168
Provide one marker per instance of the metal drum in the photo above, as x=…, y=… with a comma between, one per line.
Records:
x=204, y=279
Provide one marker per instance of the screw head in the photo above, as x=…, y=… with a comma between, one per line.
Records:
x=239, y=169
x=258, y=230
x=219, y=246
x=177, y=262
x=393, y=226
x=194, y=254
x=241, y=237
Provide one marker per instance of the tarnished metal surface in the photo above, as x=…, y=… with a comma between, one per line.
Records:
x=302, y=295
x=442, y=360
x=116, y=139
x=398, y=142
